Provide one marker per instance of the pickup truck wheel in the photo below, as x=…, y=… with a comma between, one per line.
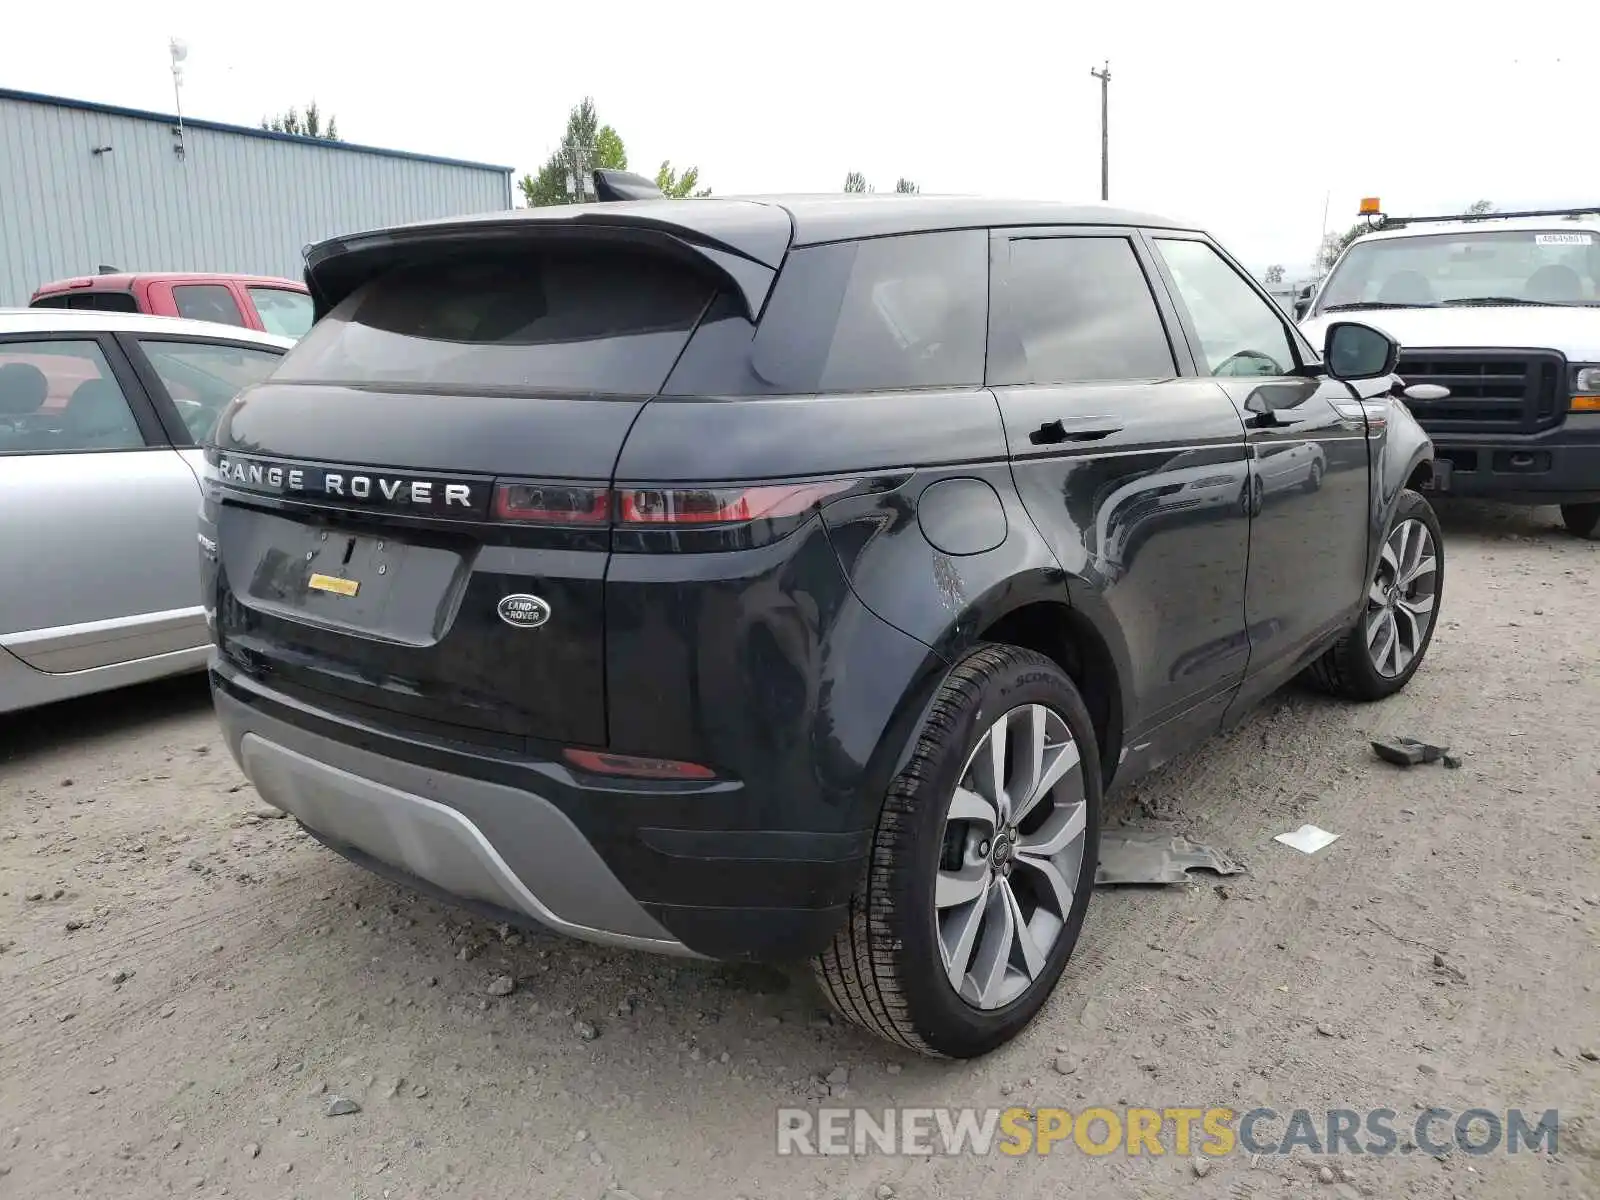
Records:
x=1383, y=649
x=1581, y=519
x=981, y=865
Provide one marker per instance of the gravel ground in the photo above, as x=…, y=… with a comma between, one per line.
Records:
x=190, y=987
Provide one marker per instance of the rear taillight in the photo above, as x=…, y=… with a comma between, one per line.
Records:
x=628, y=766
x=552, y=503
x=687, y=506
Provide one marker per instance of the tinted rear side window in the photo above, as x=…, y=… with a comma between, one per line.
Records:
x=1073, y=309
x=886, y=313
x=611, y=323
x=99, y=301
x=105, y=301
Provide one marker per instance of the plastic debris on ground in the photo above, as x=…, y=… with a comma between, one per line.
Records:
x=1308, y=839
x=1409, y=752
x=1149, y=856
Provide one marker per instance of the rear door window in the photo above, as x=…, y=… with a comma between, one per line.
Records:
x=573, y=322
x=881, y=314
x=201, y=377
x=58, y=396
x=1075, y=309
x=207, y=302
x=282, y=311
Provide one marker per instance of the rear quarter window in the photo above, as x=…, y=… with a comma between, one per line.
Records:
x=880, y=314
x=610, y=322
x=96, y=301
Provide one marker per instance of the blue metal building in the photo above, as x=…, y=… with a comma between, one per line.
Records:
x=85, y=186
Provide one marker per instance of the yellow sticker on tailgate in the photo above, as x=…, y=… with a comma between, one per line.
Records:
x=332, y=583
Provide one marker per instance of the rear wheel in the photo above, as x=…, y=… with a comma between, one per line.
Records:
x=1386, y=645
x=981, y=865
x=1581, y=519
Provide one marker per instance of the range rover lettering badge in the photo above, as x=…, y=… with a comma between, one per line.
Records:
x=523, y=611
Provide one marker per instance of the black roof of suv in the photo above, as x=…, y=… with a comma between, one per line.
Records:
x=788, y=578
x=760, y=228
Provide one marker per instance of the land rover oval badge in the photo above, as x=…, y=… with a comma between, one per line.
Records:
x=524, y=611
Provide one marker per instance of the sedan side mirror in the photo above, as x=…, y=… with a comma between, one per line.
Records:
x=1353, y=351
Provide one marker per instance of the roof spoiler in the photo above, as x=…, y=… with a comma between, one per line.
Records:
x=624, y=185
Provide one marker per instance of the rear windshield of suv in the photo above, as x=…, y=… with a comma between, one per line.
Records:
x=608, y=322
x=881, y=314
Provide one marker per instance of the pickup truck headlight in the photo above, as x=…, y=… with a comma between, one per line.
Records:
x=1586, y=389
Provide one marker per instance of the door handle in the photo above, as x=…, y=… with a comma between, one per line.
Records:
x=1267, y=419
x=1085, y=429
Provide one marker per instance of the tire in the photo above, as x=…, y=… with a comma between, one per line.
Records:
x=1314, y=481
x=1348, y=669
x=886, y=969
x=1581, y=520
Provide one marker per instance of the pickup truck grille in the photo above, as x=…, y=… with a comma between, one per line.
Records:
x=1491, y=391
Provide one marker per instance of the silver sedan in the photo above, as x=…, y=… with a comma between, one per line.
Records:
x=102, y=416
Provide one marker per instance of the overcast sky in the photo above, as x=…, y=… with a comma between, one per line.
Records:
x=1243, y=117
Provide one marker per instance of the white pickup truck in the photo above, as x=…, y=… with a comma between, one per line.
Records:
x=1504, y=311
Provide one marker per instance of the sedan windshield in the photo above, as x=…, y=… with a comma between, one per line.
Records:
x=1489, y=266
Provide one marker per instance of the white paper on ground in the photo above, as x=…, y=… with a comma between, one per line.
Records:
x=1308, y=839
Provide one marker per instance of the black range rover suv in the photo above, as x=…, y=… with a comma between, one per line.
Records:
x=785, y=579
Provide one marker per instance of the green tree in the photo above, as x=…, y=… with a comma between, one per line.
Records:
x=673, y=184
x=1333, y=244
x=1273, y=275
x=609, y=152
x=308, y=124
x=585, y=145
x=905, y=186
x=855, y=181
x=1480, y=208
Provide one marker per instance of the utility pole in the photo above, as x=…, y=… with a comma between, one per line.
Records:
x=1104, y=76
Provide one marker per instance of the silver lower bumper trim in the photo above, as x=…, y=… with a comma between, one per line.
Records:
x=438, y=843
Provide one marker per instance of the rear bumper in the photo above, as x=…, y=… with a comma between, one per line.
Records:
x=1561, y=466
x=644, y=865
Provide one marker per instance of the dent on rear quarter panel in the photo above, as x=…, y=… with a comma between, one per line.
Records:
x=942, y=600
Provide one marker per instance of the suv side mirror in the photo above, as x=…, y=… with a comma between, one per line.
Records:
x=1352, y=350
x=1303, y=299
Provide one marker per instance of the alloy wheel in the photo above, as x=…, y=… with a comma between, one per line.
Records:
x=1400, y=601
x=1011, y=856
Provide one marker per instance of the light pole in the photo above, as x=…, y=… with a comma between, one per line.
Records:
x=1104, y=76
x=179, y=50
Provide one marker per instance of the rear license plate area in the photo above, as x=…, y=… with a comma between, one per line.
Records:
x=350, y=575
x=353, y=580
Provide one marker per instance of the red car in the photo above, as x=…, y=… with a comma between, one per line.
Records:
x=280, y=306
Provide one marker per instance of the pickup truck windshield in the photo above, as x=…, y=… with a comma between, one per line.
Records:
x=1509, y=266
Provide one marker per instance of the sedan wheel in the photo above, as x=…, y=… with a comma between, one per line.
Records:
x=1011, y=856
x=1400, y=602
